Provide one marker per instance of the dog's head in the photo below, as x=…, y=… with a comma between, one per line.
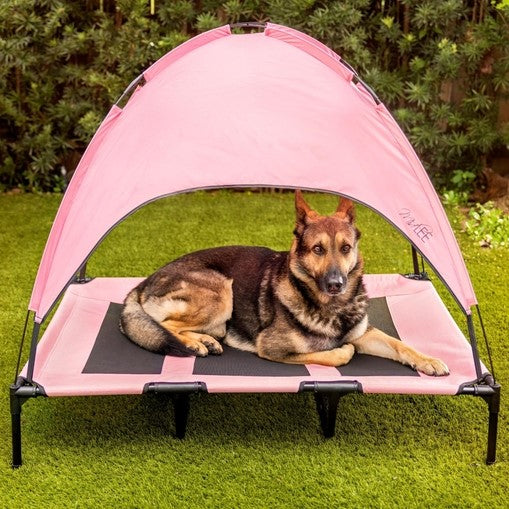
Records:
x=325, y=248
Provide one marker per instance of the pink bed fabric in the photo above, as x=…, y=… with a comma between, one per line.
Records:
x=417, y=311
x=276, y=108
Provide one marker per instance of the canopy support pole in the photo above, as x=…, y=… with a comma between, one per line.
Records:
x=81, y=275
x=415, y=260
x=33, y=349
x=419, y=273
x=473, y=343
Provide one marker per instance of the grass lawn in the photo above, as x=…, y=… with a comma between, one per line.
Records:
x=254, y=451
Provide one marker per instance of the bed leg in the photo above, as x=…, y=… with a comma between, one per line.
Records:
x=327, y=396
x=20, y=392
x=493, y=401
x=180, y=393
x=181, y=405
x=16, y=428
x=327, y=407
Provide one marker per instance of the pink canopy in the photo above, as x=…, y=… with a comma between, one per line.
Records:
x=276, y=108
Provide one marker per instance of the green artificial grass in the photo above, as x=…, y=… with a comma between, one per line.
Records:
x=249, y=450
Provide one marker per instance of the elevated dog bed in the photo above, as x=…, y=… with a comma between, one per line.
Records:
x=83, y=352
x=259, y=109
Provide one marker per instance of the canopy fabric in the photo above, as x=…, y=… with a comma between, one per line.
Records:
x=276, y=108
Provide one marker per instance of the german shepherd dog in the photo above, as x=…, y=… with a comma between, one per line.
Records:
x=303, y=306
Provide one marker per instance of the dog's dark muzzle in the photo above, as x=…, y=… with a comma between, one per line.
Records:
x=333, y=283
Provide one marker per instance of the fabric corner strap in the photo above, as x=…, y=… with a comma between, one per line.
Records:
x=113, y=353
x=368, y=365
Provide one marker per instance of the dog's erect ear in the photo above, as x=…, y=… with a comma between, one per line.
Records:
x=303, y=211
x=346, y=210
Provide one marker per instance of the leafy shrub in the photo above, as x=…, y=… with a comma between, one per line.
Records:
x=459, y=187
x=454, y=198
x=440, y=65
x=488, y=225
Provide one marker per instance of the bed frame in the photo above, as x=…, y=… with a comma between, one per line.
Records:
x=83, y=353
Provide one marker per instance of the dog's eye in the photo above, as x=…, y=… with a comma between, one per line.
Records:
x=346, y=249
x=319, y=250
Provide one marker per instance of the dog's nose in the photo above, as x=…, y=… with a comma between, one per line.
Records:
x=335, y=283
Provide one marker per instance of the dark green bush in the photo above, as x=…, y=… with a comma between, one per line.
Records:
x=441, y=66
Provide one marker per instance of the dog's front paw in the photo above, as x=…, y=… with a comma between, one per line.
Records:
x=213, y=346
x=342, y=355
x=198, y=348
x=432, y=367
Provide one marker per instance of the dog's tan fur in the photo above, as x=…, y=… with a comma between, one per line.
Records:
x=305, y=306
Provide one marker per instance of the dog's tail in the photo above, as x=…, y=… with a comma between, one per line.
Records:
x=143, y=330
